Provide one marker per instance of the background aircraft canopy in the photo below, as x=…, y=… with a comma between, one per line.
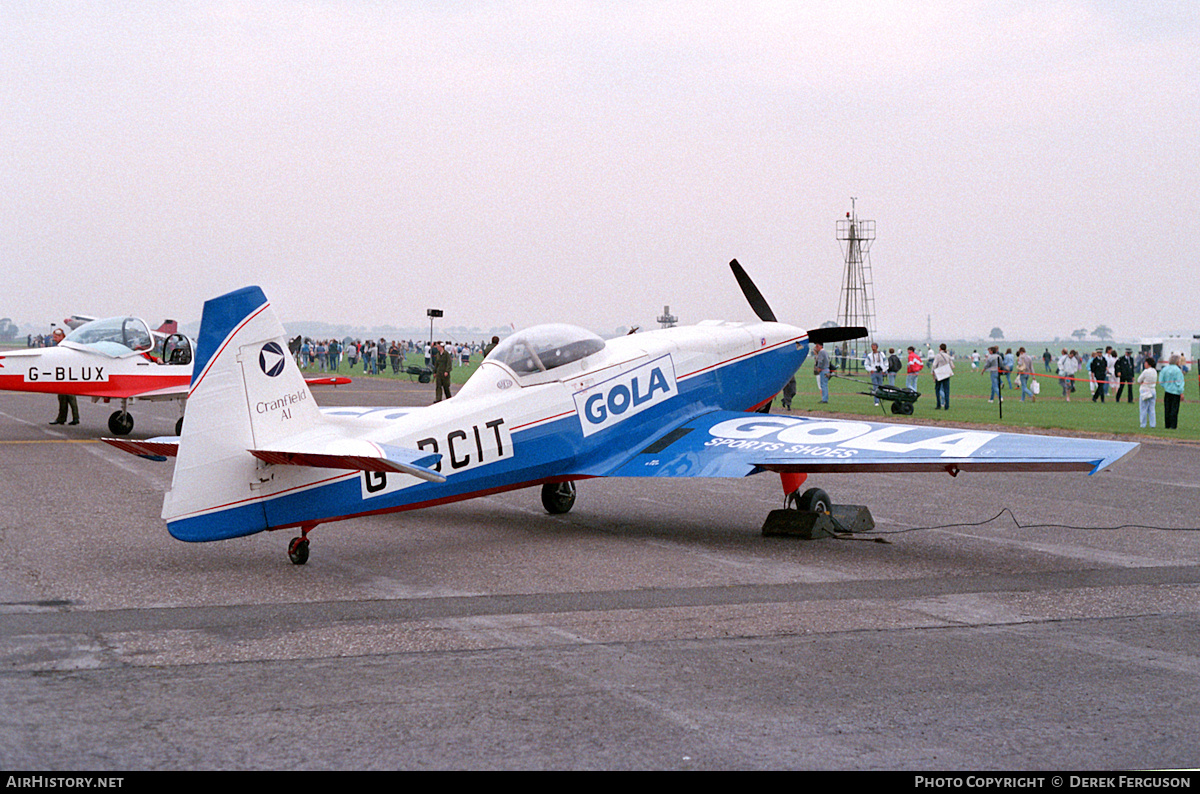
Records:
x=113, y=336
x=544, y=347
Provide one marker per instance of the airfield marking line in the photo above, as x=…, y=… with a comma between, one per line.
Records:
x=1143, y=480
x=1072, y=552
x=125, y=463
x=54, y=441
x=1110, y=648
x=614, y=682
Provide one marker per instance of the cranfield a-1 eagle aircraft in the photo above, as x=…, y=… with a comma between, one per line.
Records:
x=113, y=358
x=549, y=406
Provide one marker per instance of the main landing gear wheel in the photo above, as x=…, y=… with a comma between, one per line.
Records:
x=179, y=427
x=814, y=499
x=558, y=497
x=298, y=551
x=120, y=423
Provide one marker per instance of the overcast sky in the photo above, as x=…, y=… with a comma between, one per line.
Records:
x=1029, y=165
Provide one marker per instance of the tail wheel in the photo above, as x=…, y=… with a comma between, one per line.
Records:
x=558, y=497
x=298, y=551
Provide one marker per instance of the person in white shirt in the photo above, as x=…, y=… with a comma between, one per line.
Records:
x=875, y=363
x=1067, y=367
x=1147, y=393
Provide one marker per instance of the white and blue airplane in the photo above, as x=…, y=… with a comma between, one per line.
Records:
x=549, y=406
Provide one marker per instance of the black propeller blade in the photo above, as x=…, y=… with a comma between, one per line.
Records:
x=759, y=304
x=755, y=298
x=838, y=333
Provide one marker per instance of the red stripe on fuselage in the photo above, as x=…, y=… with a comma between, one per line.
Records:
x=743, y=355
x=432, y=502
x=116, y=387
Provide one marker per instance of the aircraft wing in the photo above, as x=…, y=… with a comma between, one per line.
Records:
x=733, y=444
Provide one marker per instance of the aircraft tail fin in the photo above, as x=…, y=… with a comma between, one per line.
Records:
x=246, y=393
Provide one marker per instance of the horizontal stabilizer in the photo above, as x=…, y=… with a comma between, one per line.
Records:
x=329, y=380
x=838, y=333
x=359, y=455
x=158, y=449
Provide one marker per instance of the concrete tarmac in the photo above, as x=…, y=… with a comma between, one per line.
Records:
x=653, y=627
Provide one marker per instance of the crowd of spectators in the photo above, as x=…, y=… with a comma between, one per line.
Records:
x=1102, y=372
x=376, y=356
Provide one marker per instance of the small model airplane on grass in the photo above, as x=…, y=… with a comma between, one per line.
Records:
x=549, y=406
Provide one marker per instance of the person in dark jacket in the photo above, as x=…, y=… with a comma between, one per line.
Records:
x=1125, y=373
x=441, y=371
x=1099, y=369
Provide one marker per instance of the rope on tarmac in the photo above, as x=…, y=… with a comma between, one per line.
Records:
x=1029, y=526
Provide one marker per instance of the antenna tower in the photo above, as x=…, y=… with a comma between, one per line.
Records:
x=857, y=303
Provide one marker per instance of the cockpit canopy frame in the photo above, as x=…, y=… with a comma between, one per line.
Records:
x=543, y=348
x=113, y=336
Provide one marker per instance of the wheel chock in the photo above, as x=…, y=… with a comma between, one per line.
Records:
x=810, y=525
x=852, y=518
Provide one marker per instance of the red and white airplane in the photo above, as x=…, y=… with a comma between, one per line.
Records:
x=115, y=358
x=550, y=405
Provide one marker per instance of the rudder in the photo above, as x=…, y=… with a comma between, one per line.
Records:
x=246, y=393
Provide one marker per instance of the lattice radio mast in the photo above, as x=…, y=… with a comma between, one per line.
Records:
x=857, y=303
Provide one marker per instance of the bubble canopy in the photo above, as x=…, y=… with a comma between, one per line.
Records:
x=113, y=336
x=545, y=347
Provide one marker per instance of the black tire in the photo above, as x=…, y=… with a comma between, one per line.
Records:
x=814, y=499
x=298, y=551
x=120, y=423
x=558, y=497
x=179, y=427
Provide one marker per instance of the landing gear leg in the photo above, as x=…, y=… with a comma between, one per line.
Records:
x=298, y=548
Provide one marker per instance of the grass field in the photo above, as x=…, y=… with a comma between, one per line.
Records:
x=968, y=402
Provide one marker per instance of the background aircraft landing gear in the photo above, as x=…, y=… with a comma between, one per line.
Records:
x=120, y=423
x=179, y=427
x=558, y=497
